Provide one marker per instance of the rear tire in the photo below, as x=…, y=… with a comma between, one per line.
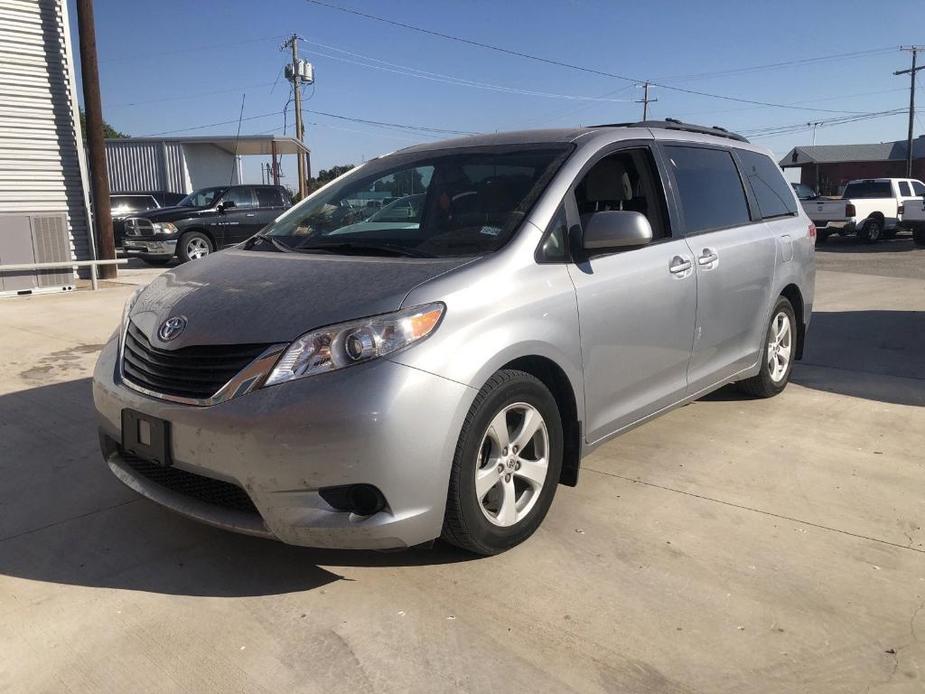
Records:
x=499, y=491
x=778, y=354
x=918, y=236
x=193, y=245
x=871, y=231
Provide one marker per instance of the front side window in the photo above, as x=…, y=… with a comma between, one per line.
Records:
x=204, y=197
x=624, y=181
x=432, y=204
x=772, y=193
x=708, y=183
x=904, y=189
x=868, y=189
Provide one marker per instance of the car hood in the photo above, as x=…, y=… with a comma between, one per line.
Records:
x=256, y=297
x=170, y=214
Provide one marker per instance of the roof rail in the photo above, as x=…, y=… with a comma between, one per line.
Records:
x=674, y=124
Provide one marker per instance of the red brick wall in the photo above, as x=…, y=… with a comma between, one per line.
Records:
x=833, y=177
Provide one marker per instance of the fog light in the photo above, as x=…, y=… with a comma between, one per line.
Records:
x=361, y=499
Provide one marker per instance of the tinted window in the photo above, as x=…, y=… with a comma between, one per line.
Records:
x=772, y=193
x=804, y=192
x=708, y=183
x=555, y=246
x=904, y=189
x=204, y=197
x=868, y=189
x=439, y=204
x=241, y=197
x=918, y=189
x=269, y=197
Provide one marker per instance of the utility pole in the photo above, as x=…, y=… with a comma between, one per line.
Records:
x=911, y=72
x=814, y=125
x=645, y=100
x=96, y=145
x=293, y=43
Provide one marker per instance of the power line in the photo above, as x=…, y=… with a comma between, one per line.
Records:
x=559, y=63
x=776, y=130
x=198, y=95
x=145, y=55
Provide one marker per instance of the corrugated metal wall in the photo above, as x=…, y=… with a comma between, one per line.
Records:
x=137, y=166
x=40, y=161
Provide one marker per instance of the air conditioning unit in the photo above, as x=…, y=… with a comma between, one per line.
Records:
x=34, y=238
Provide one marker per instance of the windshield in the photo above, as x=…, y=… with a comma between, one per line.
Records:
x=868, y=189
x=431, y=204
x=804, y=192
x=204, y=197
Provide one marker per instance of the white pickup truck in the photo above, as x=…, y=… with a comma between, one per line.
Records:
x=872, y=208
x=914, y=218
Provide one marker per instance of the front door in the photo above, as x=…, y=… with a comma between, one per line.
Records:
x=240, y=221
x=636, y=307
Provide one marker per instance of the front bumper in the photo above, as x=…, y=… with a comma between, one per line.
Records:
x=150, y=247
x=381, y=423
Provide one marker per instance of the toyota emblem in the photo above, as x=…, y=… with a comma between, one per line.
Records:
x=171, y=328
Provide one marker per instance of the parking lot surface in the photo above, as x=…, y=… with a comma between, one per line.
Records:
x=733, y=545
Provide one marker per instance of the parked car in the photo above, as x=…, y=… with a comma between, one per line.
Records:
x=914, y=219
x=203, y=221
x=382, y=388
x=804, y=192
x=124, y=205
x=872, y=208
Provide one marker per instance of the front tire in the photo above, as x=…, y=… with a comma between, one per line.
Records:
x=780, y=347
x=193, y=245
x=871, y=231
x=507, y=465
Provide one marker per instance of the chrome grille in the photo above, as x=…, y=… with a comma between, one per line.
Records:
x=197, y=372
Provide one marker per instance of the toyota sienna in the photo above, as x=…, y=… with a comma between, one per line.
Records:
x=429, y=345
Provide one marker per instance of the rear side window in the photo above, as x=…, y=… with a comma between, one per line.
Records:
x=904, y=189
x=868, y=189
x=771, y=190
x=269, y=197
x=918, y=189
x=710, y=188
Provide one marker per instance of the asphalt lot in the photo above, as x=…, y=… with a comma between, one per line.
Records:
x=733, y=545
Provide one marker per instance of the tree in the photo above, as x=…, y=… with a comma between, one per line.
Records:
x=327, y=175
x=108, y=131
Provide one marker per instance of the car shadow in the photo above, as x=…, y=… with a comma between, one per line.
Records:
x=850, y=244
x=64, y=518
x=876, y=355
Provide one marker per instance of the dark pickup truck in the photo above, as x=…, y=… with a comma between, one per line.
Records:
x=204, y=221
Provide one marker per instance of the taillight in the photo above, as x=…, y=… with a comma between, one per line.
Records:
x=850, y=210
x=812, y=230
x=901, y=209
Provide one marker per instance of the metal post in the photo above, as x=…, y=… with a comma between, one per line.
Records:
x=275, y=163
x=96, y=145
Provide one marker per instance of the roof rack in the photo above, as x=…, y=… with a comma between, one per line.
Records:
x=674, y=124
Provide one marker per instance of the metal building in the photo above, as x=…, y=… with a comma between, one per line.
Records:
x=185, y=164
x=44, y=206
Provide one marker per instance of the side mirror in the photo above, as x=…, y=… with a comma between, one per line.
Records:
x=614, y=229
x=225, y=205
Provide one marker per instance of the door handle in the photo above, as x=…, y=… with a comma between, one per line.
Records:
x=707, y=257
x=679, y=265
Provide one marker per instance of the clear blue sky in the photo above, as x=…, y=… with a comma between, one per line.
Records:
x=176, y=64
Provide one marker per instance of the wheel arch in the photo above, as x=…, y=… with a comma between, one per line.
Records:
x=201, y=230
x=793, y=294
x=554, y=377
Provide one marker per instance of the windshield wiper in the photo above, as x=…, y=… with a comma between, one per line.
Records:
x=264, y=238
x=363, y=248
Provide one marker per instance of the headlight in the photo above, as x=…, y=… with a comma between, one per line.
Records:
x=355, y=342
x=126, y=310
x=164, y=228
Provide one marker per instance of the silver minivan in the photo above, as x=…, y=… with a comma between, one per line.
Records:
x=428, y=346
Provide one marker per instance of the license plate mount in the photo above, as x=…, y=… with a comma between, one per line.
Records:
x=146, y=437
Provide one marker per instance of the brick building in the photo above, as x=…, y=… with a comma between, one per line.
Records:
x=827, y=168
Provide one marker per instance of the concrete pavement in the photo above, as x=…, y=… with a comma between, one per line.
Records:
x=732, y=545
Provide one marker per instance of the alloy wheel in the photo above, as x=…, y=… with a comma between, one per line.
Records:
x=512, y=464
x=197, y=248
x=780, y=341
